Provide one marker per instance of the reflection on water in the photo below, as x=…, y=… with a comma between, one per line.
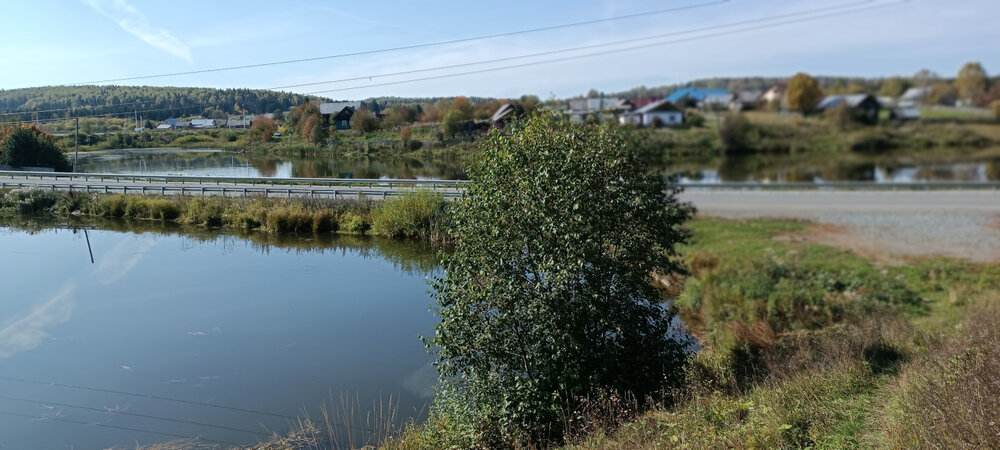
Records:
x=214, y=162
x=177, y=332
x=758, y=168
x=772, y=169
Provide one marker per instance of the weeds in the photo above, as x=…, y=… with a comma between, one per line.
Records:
x=420, y=216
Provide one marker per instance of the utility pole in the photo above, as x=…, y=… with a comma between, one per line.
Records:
x=76, y=138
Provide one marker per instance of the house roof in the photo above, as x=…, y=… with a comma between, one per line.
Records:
x=594, y=104
x=694, y=94
x=660, y=106
x=915, y=93
x=502, y=112
x=238, y=123
x=171, y=121
x=718, y=98
x=852, y=100
x=164, y=126
x=200, y=123
x=749, y=96
x=337, y=107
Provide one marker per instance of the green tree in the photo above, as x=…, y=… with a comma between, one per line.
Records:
x=463, y=106
x=364, y=121
x=546, y=299
x=971, y=81
x=451, y=123
x=279, y=115
x=29, y=146
x=734, y=133
x=893, y=87
x=803, y=93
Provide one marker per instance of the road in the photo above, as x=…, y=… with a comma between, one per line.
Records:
x=886, y=226
x=757, y=203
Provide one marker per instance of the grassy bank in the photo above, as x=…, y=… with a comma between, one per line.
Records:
x=803, y=345
x=421, y=215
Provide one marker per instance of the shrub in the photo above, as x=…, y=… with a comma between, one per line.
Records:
x=28, y=201
x=734, y=133
x=354, y=223
x=207, y=212
x=546, y=300
x=410, y=215
x=29, y=146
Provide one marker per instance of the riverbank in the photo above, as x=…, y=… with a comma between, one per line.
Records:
x=762, y=133
x=806, y=345
x=421, y=215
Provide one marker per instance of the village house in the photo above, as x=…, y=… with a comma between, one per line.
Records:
x=661, y=113
x=746, y=100
x=202, y=123
x=503, y=115
x=774, y=95
x=863, y=107
x=339, y=114
x=581, y=108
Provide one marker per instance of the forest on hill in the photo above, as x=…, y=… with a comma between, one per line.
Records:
x=153, y=103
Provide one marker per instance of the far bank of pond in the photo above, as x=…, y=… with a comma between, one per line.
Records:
x=898, y=166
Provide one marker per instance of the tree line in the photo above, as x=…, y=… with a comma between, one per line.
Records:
x=166, y=101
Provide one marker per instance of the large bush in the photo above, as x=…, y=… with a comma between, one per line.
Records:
x=412, y=215
x=546, y=300
x=28, y=146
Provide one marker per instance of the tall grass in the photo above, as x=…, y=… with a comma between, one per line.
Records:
x=420, y=216
x=950, y=396
x=414, y=215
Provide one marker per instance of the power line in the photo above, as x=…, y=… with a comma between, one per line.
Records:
x=585, y=47
x=155, y=397
x=113, y=427
x=615, y=51
x=131, y=414
x=415, y=46
x=14, y=113
x=769, y=19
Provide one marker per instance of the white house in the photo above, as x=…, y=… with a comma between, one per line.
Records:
x=657, y=113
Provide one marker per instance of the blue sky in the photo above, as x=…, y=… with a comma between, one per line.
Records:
x=47, y=42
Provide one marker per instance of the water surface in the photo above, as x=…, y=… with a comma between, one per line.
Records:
x=752, y=168
x=175, y=333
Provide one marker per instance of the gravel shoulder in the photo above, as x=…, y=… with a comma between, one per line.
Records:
x=883, y=225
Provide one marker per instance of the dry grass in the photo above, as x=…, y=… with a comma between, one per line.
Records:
x=950, y=396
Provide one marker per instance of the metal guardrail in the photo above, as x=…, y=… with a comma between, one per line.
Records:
x=459, y=184
x=371, y=182
x=345, y=192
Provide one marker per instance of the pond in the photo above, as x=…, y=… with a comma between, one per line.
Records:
x=174, y=333
x=215, y=162
x=756, y=168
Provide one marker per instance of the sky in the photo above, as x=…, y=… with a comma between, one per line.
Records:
x=56, y=42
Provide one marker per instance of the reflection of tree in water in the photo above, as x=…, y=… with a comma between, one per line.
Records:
x=410, y=257
x=993, y=170
x=849, y=172
x=266, y=167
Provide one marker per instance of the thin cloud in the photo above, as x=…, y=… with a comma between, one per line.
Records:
x=134, y=22
x=29, y=331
